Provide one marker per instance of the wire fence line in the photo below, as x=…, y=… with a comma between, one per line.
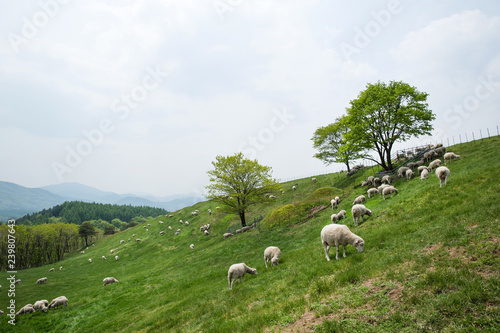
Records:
x=450, y=141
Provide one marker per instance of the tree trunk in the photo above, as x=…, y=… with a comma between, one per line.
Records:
x=347, y=165
x=242, y=218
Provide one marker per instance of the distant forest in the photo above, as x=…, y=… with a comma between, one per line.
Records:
x=77, y=212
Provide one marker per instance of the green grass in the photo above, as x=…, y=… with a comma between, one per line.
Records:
x=431, y=263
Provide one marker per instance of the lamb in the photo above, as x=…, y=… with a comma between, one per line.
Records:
x=52, y=270
x=442, y=173
x=409, y=174
x=386, y=179
x=338, y=234
x=450, y=156
x=41, y=305
x=341, y=214
x=424, y=174
x=147, y=230
x=28, y=308
x=272, y=253
x=186, y=223
x=238, y=271
x=335, y=202
x=359, y=200
x=358, y=211
x=169, y=228
x=434, y=164
x=191, y=246
x=334, y=218
x=109, y=280
x=422, y=168
x=389, y=190
x=372, y=192
x=402, y=171
x=58, y=301
x=42, y=280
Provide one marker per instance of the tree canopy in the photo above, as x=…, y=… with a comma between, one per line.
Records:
x=86, y=230
x=238, y=183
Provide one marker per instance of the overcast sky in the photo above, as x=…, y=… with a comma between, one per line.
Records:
x=141, y=96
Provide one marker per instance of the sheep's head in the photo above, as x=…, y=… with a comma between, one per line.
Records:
x=368, y=212
x=253, y=271
x=274, y=261
x=359, y=244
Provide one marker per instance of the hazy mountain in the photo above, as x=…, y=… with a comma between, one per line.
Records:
x=80, y=192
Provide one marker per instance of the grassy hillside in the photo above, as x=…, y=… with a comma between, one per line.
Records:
x=431, y=263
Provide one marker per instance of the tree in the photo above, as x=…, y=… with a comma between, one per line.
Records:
x=109, y=230
x=332, y=145
x=387, y=113
x=87, y=230
x=238, y=183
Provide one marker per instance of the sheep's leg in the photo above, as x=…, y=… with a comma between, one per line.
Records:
x=343, y=248
x=337, y=256
x=327, y=248
x=265, y=260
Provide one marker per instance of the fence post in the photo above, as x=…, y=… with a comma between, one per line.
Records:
x=473, y=139
x=488, y=132
x=460, y=137
x=448, y=141
x=498, y=133
x=453, y=139
x=466, y=138
x=481, y=133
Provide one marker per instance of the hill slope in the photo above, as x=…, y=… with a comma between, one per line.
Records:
x=430, y=264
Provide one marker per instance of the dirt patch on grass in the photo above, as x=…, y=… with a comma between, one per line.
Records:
x=317, y=209
x=470, y=227
x=431, y=248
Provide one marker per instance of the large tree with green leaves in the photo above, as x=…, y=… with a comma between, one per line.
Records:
x=238, y=183
x=87, y=230
x=332, y=146
x=387, y=113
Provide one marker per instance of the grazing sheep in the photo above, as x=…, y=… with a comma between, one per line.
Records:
x=313, y=180
x=90, y=260
x=341, y=214
x=429, y=155
x=272, y=197
x=149, y=224
x=147, y=230
x=144, y=227
x=364, y=183
x=82, y=252
x=109, y=280
x=440, y=151
x=238, y=271
x=169, y=228
x=28, y=308
x=103, y=258
x=186, y=223
x=18, y=281
x=52, y=270
x=338, y=234
x=294, y=187
x=442, y=173
x=370, y=179
x=191, y=246
x=138, y=240
x=272, y=253
x=422, y=168
x=128, y=240
x=335, y=201
x=389, y=190
x=424, y=174
x=162, y=232
x=111, y=251
x=1, y=312
x=402, y=171
x=217, y=208
x=228, y=234
x=386, y=179
x=334, y=218
x=209, y=212
x=122, y=241
x=160, y=222
x=450, y=156
x=376, y=181
x=41, y=305
x=133, y=235
x=411, y=165
x=42, y=280
x=419, y=163
x=359, y=200
x=434, y=164
x=207, y=233
x=358, y=211
x=371, y=192
x=58, y=301
x=60, y=268
x=409, y=174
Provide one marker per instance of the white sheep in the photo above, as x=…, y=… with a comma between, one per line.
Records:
x=409, y=174
x=90, y=260
x=294, y=187
x=334, y=218
x=442, y=173
x=58, y=301
x=169, y=228
x=207, y=233
x=338, y=234
x=133, y=235
x=313, y=180
x=109, y=280
x=28, y=308
x=359, y=200
x=371, y=192
x=162, y=232
x=272, y=197
x=82, y=252
x=450, y=156
x=209, y=211
x=272, y=253
x=434, y=164
x=358, y=211
x=111, y=251
x=147, y=230
x=238, y=271
x=191, y=246
x=217, y=208
x=41, y=280
x=60, y=268
x=186, y=223
x=402, y=171
x=103, y=258
x=386, y=179
x=389, y=190
x=116, y=258
x=18, y=281
x=52, y=270
x=422, y=168
x=341, y=214
x=228, y=234
x=160, y=222
x=424, y=174
x=41, y=305
x=138, y=240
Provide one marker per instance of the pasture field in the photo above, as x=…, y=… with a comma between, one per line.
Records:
x=431, y=264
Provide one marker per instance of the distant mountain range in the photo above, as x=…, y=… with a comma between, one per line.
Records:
x=17, y=201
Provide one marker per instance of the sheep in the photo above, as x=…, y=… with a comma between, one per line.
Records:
x=370, y=179
x=82, y=252
x=186, y=223
x=41, y=280
x=144, y=227
x=341, y=214
x=41, y=305
x=133, y=235
x=147, y=230
x=238, y=271
x=409, y=174
x=58, y=301
x=18, y=281
x=149, y=224
x=386, y=179
x=419, y=163
x=429, y=155
x=358, y=211
x=60, y=268
x=52, y=270
x=90, y=260
x=1, y=312
x=181, y=221
x=364, y=183
x=109, y=280
x=424, y=174
x=411, y=165
x=376, y=181
x=169, y=228
x=294, y=187
x=338, y=234
x=402, y=171
x=128, y=240
x=228, y=234
x=434, y=164
x=160, y=222
x=335, y=201
x=209, y=212
x=122, y=241
x=272, y=197
x=111, y=251
x=207, y=233
x=389, y=190
x=421, y=168
x=381, y=188
x=442, y=173
x=440, y=151
x=28, y=308
x=272, y=253
x=359, y=200
x=177, y=232
x=217, y=208
x=162, y=232
x=191, y=246
x=372, y=192
x=334, y=218
x=450, y=156
x=138, y=240
x=103, y=258
x=313, y=180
